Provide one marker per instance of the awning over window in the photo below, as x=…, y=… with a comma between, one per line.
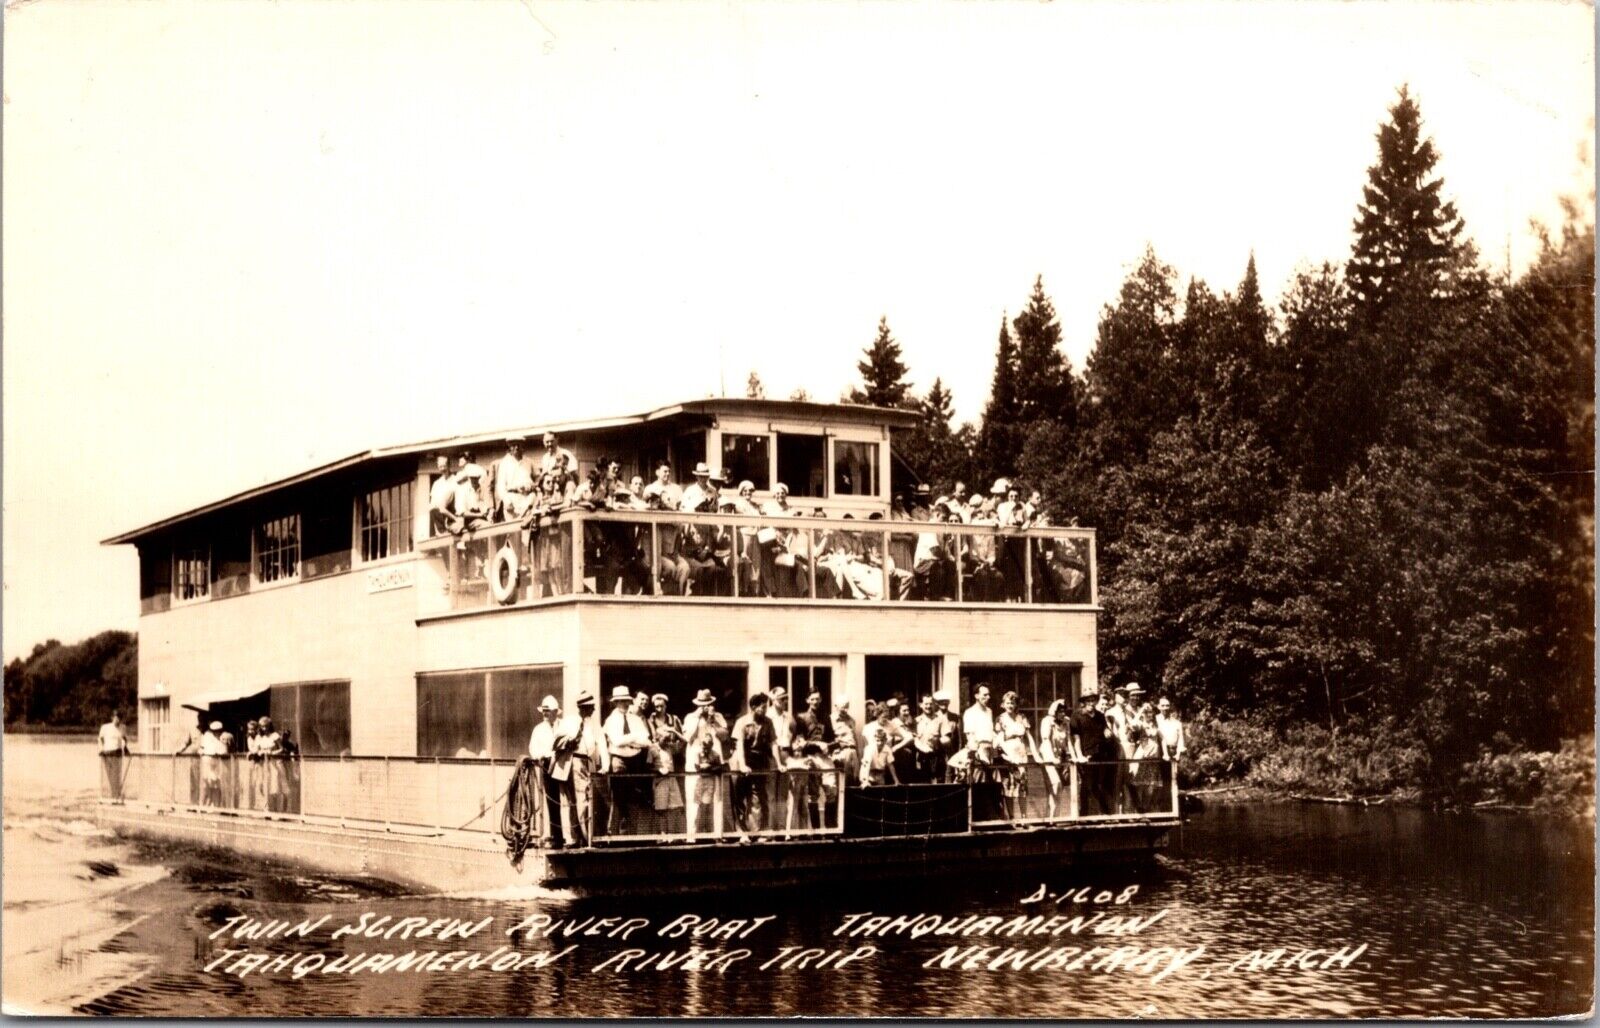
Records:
x=207, y=700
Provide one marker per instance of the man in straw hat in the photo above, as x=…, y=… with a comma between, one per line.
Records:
x=628, y=743
x=699, y=491
x=705, y=758
x=542, y=750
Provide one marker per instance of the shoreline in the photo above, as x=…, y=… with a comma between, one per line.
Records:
x=1240, y=792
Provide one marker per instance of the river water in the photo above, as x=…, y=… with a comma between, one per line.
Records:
x=1460, y=915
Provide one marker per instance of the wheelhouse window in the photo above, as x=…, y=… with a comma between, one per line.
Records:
x=801, y=463
x=855, y=468
x=745, y=457
x=277, y=549
x=191, y=573
x=384, y=522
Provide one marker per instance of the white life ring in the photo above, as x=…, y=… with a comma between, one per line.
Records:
x=504, y=571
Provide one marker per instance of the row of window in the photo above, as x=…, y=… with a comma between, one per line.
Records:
x=491, y=713
x=801, y=464
x=382, y=528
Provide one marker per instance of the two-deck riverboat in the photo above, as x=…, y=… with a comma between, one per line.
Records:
x=408, y=663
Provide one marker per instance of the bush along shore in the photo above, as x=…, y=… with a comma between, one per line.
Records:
x=1381, y=761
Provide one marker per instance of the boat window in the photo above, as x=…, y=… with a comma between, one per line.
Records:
x=1036, y=686
x=155, y=578
x=451, y=715
x=155, y=716
x=325, y=541
x=277, y=549
x=318, y=713
x=191, y=573
x=514, y=696
x=855, y=468
x=680, y=683
x=745, y=457
x=800, y=463
x=799, y=680
x=688, y=450
x=906, y=679
x=230, y=560
x=384, y=522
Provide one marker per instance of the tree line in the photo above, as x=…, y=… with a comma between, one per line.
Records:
x=76, y=686
x=1371, y=508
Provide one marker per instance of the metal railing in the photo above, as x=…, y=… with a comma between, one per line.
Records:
x=1033, y=793
x=436, y=795
x=663, y=554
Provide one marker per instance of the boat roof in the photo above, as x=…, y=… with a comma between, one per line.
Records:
x=798, y=410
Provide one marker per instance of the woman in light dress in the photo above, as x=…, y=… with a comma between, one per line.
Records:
x=1012, y=733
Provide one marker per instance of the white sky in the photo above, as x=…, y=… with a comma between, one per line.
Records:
x=242, y=239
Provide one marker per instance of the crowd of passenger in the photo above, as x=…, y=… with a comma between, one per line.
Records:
x=644, y=771
x=256, y=768
x=710, y=559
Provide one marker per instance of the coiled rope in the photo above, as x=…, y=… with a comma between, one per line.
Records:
x=517, y=818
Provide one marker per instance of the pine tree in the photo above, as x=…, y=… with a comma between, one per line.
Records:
x=1044, y=382
x=882, y=372
x=1407, y=237
x=999, y=444
x=1134, y=382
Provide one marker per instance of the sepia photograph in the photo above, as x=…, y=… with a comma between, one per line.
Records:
x=849, y=510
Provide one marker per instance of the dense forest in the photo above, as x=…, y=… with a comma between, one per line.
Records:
x=1364, y=517
x=75, y=686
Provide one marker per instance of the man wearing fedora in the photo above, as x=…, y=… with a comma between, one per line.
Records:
x=580, y=753
x=628, y=742
x=699, y=492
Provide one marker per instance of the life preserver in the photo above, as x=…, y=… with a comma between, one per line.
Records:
x=504, y=572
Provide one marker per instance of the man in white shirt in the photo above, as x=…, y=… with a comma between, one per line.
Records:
x=440, y=495
x=977, y=722
x=212, y=750
x=113, y=746
x=550, y=459
x=700, y=492
x=542, y=750
x=628, y=742
x=513, y=480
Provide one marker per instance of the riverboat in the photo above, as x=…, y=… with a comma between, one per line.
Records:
x=408, y=663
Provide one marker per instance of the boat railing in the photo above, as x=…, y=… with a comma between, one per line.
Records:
x=438, y=796
x=718, y=806
x=1041, y=793
x=757, y=558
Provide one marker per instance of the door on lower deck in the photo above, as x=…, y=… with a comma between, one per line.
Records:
x=904, y=678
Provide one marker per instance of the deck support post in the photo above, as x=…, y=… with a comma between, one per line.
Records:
x=1027, y=570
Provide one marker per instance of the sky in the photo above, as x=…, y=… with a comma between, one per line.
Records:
x=244, y=239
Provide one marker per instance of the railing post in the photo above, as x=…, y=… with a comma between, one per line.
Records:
x=1027, y=569
x=960, y=569
x=347, y=790
x=438, y=807
x=883, y=555
x=655, y=558
x=811, y=561
x=491, y=779
x=577, y=554
x=1094, y=575
x=734, y=569
x=1172, y=773
x=386, y=792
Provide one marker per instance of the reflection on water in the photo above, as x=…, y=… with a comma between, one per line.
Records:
x=1463, y=915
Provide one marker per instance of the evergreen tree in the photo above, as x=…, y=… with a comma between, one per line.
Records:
x=999, y=444
x=1134, y=385
x=934, y=450
x=882, y=372
x=1407, y=237
x=1043, y=380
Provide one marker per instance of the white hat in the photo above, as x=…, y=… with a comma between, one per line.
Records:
x=549, y=703
x=216, y=726
x=1001, y=486
x=619, y=693
x=702, y=469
